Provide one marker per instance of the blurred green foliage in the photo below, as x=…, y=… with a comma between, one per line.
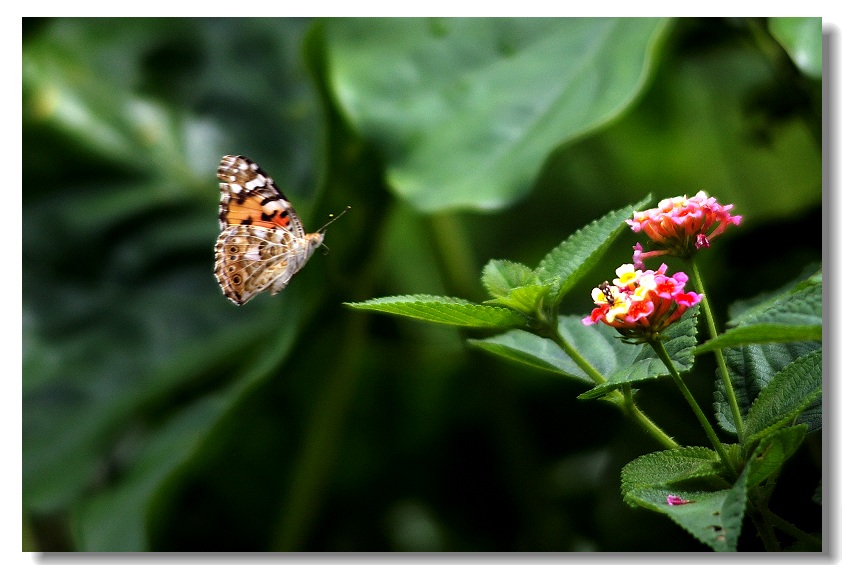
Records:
x=158, y=416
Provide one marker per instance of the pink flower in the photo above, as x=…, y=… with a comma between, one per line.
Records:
x=674, y=500
x=681, y=226
x=641, y=304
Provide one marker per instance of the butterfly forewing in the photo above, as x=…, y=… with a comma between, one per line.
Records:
x=248, y=196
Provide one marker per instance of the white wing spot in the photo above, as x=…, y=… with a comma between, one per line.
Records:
x=256, y=182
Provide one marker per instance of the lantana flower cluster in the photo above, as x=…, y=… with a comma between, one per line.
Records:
x=680, y=226
x=641, y=304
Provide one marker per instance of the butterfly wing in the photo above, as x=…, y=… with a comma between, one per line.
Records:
x=248, y=196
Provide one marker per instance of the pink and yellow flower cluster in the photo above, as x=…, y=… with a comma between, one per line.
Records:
x=680, y=226
x=640, y=303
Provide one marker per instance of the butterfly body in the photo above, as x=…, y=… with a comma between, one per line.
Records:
x=262, y=243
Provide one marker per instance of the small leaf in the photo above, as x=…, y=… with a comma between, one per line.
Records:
x=669, y=467
x=499, y=277
x=565, y=265
x=773, y=451
x=526, y=299
x=789, y=392
x=444, y=310
x=681, y=338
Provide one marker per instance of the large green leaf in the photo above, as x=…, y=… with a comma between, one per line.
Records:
x=802, y=39
x=714, y=517
x=793, y=389
x=465, y=111
x=599, y=346
x=116, y=519
x=795, y=315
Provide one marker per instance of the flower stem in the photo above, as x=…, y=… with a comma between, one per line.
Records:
x=657, y=433
x=626, y=401
x=659, y=348
x=764, y=529
x=720, y=359
x=571, y=352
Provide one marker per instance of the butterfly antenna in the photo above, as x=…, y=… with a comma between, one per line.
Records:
x=332, y=219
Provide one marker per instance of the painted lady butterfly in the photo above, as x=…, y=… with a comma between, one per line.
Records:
x=262, y=244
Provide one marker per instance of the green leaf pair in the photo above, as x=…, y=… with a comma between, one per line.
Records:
x=521, y=296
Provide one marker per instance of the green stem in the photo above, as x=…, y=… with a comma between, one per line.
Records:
x=626, y=401
x=571, y=352
x=457, y=257
x=793, y=531
x=696, y=277
x=764, y=528
x=644, y=421
x=717, y=445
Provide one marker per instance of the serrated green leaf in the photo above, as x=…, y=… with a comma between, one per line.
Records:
x=773, y=451
x=794, y=315
x=499, y=277
x=761, y=333
x=797, y=304
x=802, y=39
x=789, y=392
x=444, y=310
x=664, y=468
x=800, y=305
x=565, y=265
x=713, y=517
x=599, y=346
x=751, y=368
x=681, y=339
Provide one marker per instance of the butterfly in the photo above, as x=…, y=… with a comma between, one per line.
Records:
x=263, y=243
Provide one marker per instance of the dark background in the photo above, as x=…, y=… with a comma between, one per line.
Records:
x=159, y=416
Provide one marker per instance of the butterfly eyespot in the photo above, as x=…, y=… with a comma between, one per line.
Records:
x=231, y=268
x=233, y=249
x=236, y=279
